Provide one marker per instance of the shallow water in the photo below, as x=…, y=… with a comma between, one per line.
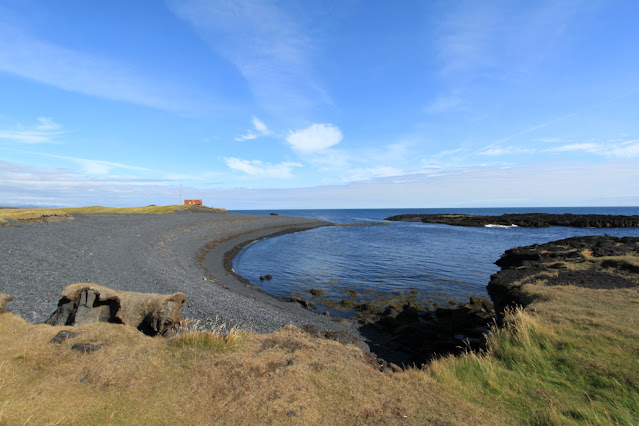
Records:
x=435, y=264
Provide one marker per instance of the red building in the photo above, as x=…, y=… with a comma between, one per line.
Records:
x=193, y=202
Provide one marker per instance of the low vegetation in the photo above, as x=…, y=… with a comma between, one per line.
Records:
x=570, y=357
x=37, y=215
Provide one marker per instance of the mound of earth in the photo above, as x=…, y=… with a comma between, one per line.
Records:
x=526, y=220
x=599, y=262
x=87, y=303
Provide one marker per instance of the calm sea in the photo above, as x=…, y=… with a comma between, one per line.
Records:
x=435, y=263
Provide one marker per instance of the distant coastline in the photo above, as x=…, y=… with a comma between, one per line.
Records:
x=526, y=220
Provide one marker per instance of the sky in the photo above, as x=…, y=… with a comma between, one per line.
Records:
x=319, y=104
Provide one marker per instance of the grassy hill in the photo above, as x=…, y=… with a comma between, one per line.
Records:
x=569, y=358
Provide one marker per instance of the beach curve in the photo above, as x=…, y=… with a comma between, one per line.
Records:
x=159, y=253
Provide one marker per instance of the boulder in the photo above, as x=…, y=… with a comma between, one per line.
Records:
x=150, y=313
x=4, y=299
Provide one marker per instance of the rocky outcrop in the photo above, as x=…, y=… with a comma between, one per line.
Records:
x=4, y=299
x=411, y=336
x=600, y=262
x=526, y=220
x=88, y=303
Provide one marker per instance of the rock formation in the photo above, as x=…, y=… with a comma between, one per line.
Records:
x=4, y=299
x=600, y=262
x=87, y=303
x=526, y=220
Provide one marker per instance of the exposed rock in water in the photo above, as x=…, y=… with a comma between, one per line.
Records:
x=600, y=262
x=526, y=220
x=317, y=292
x=4, y=299
x=88, y=303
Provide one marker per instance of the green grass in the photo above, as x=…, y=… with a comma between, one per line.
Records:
x=573, y=361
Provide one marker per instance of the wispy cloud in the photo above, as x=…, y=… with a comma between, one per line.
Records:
x=612, y=183
x=95, y=167
x=445, y=103
x=45, y=131
x=82, y=72
x=25, y=185
x=615, y=149
x=479, y=39
x=364, y=174
x=259, y=168
x=314, y=138
x=507, y=150
x=259, y=129
x=268, y=46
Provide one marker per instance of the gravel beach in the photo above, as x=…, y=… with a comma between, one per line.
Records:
x=158, y=253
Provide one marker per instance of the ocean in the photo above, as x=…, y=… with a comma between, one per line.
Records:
x=431, y=264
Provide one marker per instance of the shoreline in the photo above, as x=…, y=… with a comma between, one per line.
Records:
x=225, y=250
x=151, y=254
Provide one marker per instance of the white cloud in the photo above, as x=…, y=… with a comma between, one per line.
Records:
x=261, y=169
x=315, y=138
x=47, y=123
x=246, y=136
x=44, y=132
x=82, y=72
x=259, y=127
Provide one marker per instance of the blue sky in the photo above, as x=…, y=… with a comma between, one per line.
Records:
x=319, y=104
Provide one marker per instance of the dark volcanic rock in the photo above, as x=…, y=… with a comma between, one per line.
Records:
x=413, y=336
x=86, y=347
x=526, y=220
x=600, y=262
x=62, y=336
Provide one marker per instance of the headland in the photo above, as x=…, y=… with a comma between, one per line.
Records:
x=526, y=220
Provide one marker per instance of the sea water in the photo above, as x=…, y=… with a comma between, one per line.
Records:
x=433, y=263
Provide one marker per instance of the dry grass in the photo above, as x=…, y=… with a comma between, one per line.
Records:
x=628, y=261
x=570, y=358
x=62, y=213
x=284, y=377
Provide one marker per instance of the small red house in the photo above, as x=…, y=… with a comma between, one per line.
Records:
x=193, y=202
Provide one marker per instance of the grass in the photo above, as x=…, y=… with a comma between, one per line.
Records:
x=570, y=358
x=284, y=377
x=61, y=213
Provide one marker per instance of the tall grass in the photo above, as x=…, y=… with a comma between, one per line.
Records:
x=212, y=336
x=550, y=369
